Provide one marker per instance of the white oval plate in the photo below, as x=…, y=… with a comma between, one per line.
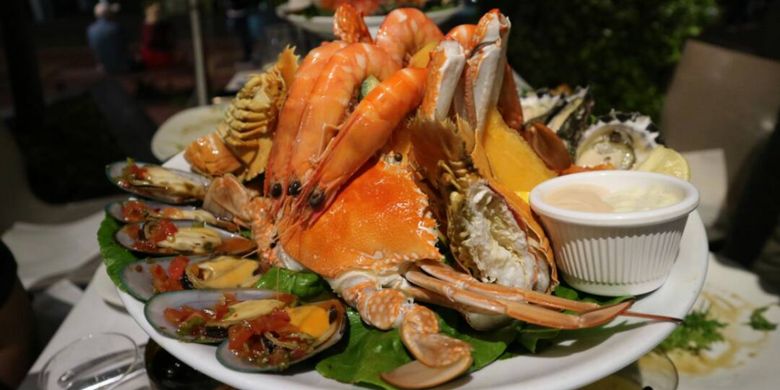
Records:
x=561, y=367
x=184, y=127
x=323, y=25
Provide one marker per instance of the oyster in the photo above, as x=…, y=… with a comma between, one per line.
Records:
x=623, y=140
x=572, y=117
x=158, y=183
x=200, y=272
x=135, y=210
x=166, y=237
x=316, y=327
x=183, y=306
x=540, y=105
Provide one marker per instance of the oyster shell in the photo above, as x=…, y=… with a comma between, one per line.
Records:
x=159, y=183
x=623, y=140
x=332, y=311
x=251, y=303
x=136, y=210
x=571, y=119
x=540, y=105
x=166, y=237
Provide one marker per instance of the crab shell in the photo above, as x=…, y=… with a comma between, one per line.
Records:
x=378, y=223
x=623, y=140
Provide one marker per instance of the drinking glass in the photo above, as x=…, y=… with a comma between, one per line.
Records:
x=96, y=361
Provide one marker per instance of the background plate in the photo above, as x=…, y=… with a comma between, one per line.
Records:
x=570, y=365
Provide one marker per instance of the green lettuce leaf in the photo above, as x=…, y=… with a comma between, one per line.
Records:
x=359, y=361
x=306, y=285
x=115, y=256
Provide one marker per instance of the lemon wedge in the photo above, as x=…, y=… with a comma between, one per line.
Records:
x=667, y=161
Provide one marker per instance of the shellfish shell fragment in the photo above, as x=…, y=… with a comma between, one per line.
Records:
x=189, y=238
x=158, y=183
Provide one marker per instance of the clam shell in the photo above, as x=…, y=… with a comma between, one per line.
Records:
x=154, y=310
x=231, y=243
x=137, y=276
x=331, y=337
x=178, y=187
x=114, y=209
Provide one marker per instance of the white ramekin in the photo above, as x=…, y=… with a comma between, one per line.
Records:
x=615, y=253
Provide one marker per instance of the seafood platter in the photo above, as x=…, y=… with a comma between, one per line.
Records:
x=361, y=217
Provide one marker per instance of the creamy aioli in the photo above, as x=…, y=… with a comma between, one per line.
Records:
x=599, y=199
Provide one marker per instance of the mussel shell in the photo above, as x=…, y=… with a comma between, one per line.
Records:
x=137, y=276
x=233, y=243
x=334, y=334
x=114, y=209
x=154, y=310
x=198, y=183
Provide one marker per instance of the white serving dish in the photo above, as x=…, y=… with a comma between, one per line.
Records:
x=567, y=366
x=615, y=253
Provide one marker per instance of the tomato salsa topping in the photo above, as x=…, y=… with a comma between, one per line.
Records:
x=170, y=280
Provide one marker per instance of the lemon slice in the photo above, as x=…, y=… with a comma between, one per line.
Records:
x=667, y=161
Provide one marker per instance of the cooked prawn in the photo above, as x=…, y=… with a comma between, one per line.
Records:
x=405, y=31
x=290, y=116
x=329, y=103
x=365, y=132
x=348, y=25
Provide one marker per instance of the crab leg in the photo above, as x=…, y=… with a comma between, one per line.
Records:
x=447, y=62
x=519, y=310
x=439, y=356
x=504, y=293
x=464, y=281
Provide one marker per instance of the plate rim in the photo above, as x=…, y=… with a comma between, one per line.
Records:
x=571, y=375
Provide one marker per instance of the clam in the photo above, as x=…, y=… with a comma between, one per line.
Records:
x=166, y=237
x=136, y=210
x=200, y=273
x=241, y=304
x=623, y=140
x=319, y=325
x=158, y=183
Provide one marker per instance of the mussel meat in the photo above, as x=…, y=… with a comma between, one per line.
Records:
x=136, y=210
x=255, y=346
x=145, y=278
x=159, y=183
x=204, y=316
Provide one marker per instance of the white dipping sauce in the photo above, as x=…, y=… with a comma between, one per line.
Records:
x=599, y=199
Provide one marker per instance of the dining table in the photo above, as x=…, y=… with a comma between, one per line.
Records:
x=100, y=310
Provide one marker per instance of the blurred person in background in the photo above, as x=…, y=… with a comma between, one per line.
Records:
x=107, y=39
x=16, y=317
x=157, y=41
x=245, y=21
